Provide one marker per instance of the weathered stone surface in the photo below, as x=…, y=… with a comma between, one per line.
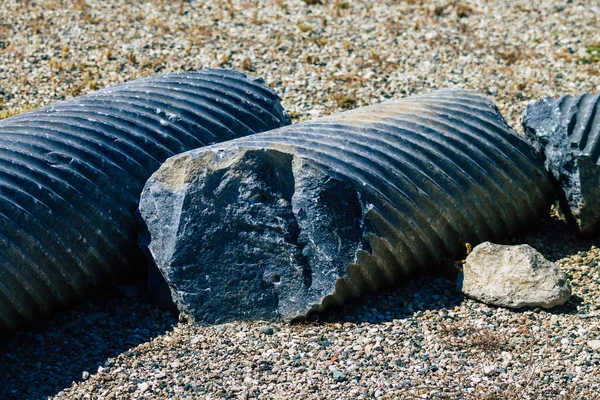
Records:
x=513, y=277
x=237, y=237
x=72, y=173
x=293, y=221
x=567, y=130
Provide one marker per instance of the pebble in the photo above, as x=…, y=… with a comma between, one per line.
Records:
x=594, y=344
x=338, y=376
x=266, y=330
x=490, y=370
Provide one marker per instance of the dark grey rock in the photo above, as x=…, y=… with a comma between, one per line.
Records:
x=567, y=130
x=241, y=242
x=266, y=330
x=290, y=222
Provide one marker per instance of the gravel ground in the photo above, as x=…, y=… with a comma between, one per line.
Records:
x=422, y=340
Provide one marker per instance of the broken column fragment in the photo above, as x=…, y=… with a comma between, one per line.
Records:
x=291, y=221
x=567, y=129
x=71, y=174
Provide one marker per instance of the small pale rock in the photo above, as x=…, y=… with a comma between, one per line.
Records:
x=243, y=395
x=143, y=387
x=431, y=35
x=85, y=375
x=594, y=344
x=492, y=91
x=513, y=277
x=490, y=370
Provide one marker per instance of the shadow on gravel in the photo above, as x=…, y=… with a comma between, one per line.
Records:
x=554, y=238
x=412, y=298
x=42, y=361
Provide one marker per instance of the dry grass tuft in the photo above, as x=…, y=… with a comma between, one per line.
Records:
x=510, y=57
x=15, y=111
x=438, y=11
x=463, y=336
x=463, y=10
x=247, y=64
x=344, y=101
x=342, y=5
x=304, y=27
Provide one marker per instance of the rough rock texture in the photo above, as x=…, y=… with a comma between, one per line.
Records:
x=293, y=221
x=567, y=129
x=514, y=277
x=240, y=243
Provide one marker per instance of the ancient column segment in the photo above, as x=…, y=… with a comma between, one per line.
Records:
x=288, y=222
x=71, y=174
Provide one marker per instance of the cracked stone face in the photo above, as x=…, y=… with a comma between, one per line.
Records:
x=566, y=130
x=255, y=234
x=285, y=223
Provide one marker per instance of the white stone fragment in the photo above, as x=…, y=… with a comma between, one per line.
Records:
x=513, y=277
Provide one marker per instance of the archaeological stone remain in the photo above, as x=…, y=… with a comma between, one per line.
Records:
x=289, y=222
x=71, y=174
x=567, y=130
